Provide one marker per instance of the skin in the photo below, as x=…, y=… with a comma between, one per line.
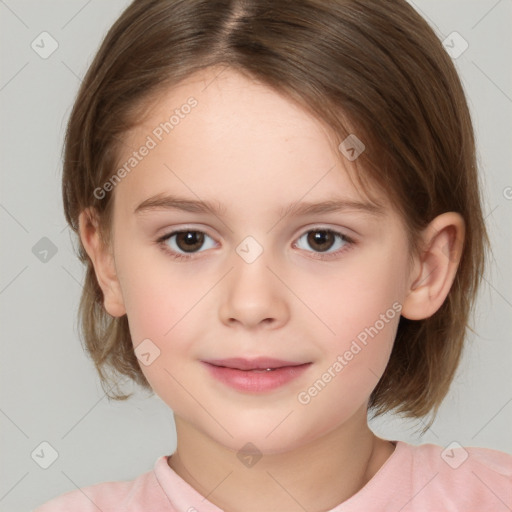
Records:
x=254, y=151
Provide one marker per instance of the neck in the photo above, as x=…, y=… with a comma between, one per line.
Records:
x=316, y=476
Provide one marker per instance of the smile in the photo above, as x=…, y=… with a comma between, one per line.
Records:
x=256, y=380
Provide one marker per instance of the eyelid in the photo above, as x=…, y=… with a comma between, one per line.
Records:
x=169, y=231
x=344, y=231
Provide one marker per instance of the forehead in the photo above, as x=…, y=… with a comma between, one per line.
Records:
x=220, y=131
x=230, y=107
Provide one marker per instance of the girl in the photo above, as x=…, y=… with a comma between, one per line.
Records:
x=279, y=210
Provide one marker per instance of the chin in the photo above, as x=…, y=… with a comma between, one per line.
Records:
x=253, y=435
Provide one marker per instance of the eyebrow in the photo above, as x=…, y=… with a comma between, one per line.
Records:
x=171, y=202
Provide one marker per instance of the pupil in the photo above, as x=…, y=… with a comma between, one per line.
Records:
x=319, y=238
x=190, y=240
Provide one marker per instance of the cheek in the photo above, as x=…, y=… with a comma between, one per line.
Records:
x=353, y=364
x=160, y=296
x=366, y=292
x=162, y=310
x=360, y=310
x=165, y=306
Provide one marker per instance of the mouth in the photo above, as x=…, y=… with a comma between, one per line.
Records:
x=256, y=375
x=260, y=364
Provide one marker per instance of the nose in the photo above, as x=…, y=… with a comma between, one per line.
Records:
x=253, y=297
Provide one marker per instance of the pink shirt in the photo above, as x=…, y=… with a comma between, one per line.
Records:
x=414, y=478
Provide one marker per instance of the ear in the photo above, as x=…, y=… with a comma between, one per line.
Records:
x=435, y=268
x=103, y=262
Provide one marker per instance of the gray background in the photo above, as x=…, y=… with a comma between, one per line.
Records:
x=49, y=389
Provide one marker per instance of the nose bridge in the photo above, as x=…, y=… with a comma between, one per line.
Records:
x=252, y=294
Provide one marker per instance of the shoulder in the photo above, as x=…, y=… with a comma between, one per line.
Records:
x=463, y=459
x=478, y=478
x=128, y=496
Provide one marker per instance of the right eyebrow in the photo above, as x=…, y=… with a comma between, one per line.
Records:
x=171, y=202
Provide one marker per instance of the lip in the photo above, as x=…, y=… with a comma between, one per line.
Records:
x=252, y=375
x=258, y=363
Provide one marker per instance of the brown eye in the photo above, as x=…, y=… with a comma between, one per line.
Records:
x=189, y=241
x=185, y=242
x=321, y=240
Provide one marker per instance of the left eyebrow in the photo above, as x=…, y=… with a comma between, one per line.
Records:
x=171, y=202
x=332, y=206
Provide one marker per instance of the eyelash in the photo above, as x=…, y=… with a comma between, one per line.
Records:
x=349, y=243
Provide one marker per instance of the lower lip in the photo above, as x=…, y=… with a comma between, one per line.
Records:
x=256, y=381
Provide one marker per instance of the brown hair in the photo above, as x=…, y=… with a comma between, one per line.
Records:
x=374, y=68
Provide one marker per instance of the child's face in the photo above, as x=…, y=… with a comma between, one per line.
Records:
x=253, y=152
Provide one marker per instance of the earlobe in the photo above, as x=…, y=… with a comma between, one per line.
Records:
x=103, y=262
x=436, y=267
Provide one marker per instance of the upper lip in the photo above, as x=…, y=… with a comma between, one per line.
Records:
x=259, y=363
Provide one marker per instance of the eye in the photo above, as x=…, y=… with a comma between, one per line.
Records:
x=322, y=240
x=187, y=240
x=183, y=244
